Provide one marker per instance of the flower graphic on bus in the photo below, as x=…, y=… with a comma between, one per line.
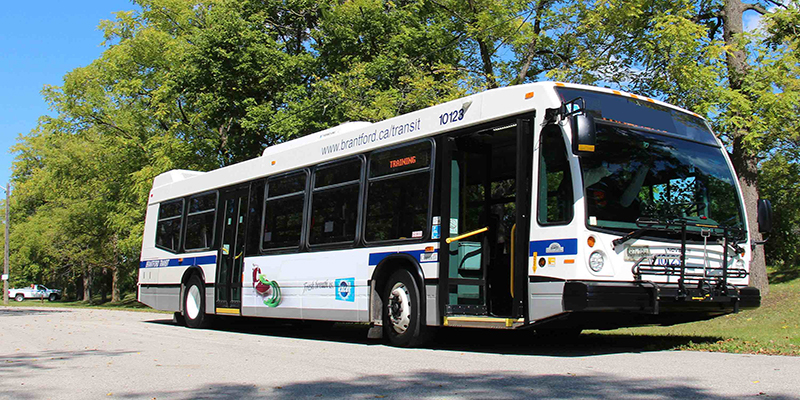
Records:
x=269, y=290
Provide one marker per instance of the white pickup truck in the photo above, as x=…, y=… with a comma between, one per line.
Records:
x=35, y=292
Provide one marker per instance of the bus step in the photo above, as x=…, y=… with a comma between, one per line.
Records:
x=483, y=322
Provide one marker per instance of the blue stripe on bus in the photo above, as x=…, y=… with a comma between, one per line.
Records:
x=175, y=262
x=376, y=258
x=554, y=247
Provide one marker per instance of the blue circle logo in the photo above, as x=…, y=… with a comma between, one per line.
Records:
x=344, y=289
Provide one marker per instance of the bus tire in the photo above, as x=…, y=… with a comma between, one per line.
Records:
x=194, y=304
x=402, y=312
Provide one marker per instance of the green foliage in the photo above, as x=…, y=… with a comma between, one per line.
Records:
x=199, y=85
x=780, y=177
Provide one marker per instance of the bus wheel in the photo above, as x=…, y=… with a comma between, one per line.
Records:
x=402, y=314
x=194, y=304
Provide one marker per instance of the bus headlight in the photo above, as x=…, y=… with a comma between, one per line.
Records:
x=597, y=261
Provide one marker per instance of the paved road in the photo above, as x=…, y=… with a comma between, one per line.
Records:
x=54, y=353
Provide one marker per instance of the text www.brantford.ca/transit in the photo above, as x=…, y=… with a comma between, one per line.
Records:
x=364, y=138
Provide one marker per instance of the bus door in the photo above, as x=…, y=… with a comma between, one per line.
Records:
x=230, y=259
x=485, y=182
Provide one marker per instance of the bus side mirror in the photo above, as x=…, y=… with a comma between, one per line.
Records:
x=764, y=215
x=584, y=136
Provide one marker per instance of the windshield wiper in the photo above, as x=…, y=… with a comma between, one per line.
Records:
x=648, y=225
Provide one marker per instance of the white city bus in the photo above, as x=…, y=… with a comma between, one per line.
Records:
x=554, y=206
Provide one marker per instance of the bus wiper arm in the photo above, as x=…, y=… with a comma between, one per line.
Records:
x=630, y=235
x=647, y=225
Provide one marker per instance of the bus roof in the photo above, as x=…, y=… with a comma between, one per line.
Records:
x=357, y=137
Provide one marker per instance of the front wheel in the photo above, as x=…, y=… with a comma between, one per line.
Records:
x=403, y=321
x=19, y=297
x=52, y=297
x=194, y=304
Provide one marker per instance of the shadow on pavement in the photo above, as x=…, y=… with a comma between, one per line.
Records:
x=523, y=342
x=45, y=359
x=446, y=385
x=28, y=311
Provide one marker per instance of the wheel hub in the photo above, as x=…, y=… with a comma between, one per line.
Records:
x=193, y=302
x=399, y=304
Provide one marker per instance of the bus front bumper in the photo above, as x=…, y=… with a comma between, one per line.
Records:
x=610, y=305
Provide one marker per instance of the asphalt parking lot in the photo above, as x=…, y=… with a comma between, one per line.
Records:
x=80, y=353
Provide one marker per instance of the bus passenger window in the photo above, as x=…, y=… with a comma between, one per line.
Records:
x=168, y=230
x=334, y=202
x=283, y=211
x=255, y=208
x=555, y=180
x=200, y=222
x=398, y=193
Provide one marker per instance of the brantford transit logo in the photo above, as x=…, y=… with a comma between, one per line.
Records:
x=555, y=247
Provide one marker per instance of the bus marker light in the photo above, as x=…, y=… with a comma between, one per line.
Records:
x=429, y=249
x=634, y=96
x=528, y=95
x=569, y=261
x=559, y=84
x=617, y=92
x=585, y=147
x=273, y=162
x=590, y=241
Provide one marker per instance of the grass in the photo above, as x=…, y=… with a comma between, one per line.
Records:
x=773, y=328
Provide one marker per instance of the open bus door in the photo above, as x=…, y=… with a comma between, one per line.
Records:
x=230, y=259
x=485, y=211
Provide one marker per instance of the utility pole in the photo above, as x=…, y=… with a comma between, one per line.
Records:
x=5, y=266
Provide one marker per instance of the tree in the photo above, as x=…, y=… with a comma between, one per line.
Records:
x=696, y=54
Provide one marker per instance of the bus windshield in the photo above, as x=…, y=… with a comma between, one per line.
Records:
x=635, y=173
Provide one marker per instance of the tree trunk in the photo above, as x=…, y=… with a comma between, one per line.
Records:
x=115, y=277
x=87, y=284
x=744, y=160
x=486, y=50
x=115, y=274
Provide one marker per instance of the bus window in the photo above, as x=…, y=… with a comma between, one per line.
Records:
x=555, y=180
x=200, y=222
x=398, y=193
x=334, y=202
x=255, y=209
x=283, y=211
x=168, y=231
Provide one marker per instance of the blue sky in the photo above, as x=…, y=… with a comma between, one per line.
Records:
x=40, y=41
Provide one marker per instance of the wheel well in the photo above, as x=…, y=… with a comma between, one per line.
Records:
x=392, y=263
x=382, y=273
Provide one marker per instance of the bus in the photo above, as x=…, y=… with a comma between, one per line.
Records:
x=552, y=206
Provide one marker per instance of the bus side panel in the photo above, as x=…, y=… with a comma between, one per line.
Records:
x=148, y=265
x=331, y=286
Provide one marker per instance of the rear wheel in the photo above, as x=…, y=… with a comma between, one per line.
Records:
x=402, y=311
x=194, y=304
x=19, y=297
